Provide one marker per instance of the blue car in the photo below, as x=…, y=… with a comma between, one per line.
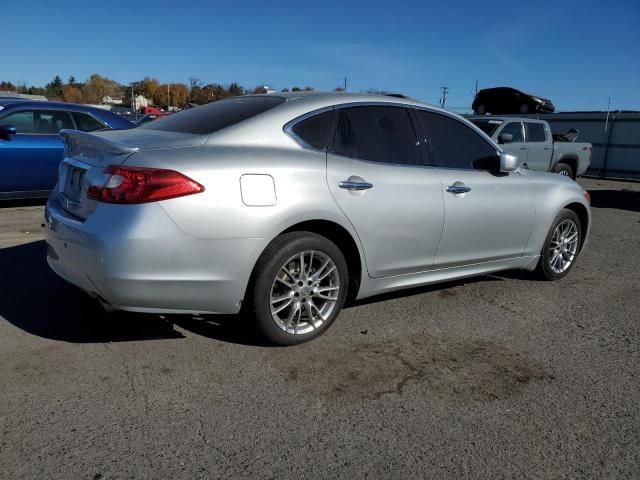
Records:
x=30, y=147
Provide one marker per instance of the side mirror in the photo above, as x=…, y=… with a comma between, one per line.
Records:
x=508, y=162
x=505, y=138
x=6, y=131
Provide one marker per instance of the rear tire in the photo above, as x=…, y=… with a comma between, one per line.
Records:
x=561, y=247
x=481, y=109
x=524, y=108
x=564, y=169
x=292, y=301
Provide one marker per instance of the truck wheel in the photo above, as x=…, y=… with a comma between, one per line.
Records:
x=561, y=246
x=297, y=288
x=481, y=109
x=564, y=169
x=524, y=108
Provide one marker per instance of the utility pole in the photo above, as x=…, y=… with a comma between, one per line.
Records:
x=168, y=98
x=476, y=87
x=345, y=84
x=443, y=100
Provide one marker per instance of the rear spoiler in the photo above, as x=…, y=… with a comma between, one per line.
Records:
x=76, y=140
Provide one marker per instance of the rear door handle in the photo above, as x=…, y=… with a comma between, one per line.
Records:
x=351, y=185
x=547, y=148
x=458, y=189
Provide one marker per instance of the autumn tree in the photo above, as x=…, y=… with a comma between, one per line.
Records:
x=72, y=94
x=98, y=87
x=260, y=89
x=178, y=95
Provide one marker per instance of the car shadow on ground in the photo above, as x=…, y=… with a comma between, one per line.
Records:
x=37, y=301
x=619, y=199
x=27, y=202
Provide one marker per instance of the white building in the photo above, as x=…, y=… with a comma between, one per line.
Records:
x=141, y=101
x=107, y=100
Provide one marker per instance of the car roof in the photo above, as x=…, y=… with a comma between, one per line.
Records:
x=309, y=101
x=16, y=102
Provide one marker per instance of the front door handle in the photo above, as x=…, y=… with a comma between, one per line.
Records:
x=523, y=148
x=458, y=188
x=351, y=185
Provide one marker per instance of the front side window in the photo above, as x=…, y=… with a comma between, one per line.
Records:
x=39, y=121
x=515, y=129
x=313, y=131
x=535, y=132
x=215, y=116
x=452, y=144
x=86, y=123
x=377, y=134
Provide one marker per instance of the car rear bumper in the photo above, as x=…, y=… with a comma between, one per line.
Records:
x=134, y=257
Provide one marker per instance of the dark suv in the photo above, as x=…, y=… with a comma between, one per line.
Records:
x=504, y=100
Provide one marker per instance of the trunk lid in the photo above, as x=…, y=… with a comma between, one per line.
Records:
x=87, y=154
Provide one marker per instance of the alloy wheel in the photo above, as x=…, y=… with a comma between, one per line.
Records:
x=304, y=292
x=564, y=245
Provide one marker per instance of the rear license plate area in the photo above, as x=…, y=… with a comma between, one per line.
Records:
x=74, y=183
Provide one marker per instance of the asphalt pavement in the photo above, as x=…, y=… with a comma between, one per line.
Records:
x=502, y=376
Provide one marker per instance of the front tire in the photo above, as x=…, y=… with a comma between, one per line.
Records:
x=561, y=246
x=481, y=109
x=297, y=288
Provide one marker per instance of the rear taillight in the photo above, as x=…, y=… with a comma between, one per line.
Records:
x=141, y=185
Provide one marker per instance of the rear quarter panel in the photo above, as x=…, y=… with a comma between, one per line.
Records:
x=219, y=212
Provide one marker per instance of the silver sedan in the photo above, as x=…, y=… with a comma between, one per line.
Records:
x=285, y=205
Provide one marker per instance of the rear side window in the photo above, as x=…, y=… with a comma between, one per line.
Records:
x=215, y=116
x=312, y=132
x=376, y=134
x=515, y=129
x=535, y=132
x=86, y=123
x=39, y=121
x=452, y=144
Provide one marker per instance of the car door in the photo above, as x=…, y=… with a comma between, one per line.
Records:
x=516, y=146
x=29, y=159
x=488, y=214
x=539, y=146
x=376, y=175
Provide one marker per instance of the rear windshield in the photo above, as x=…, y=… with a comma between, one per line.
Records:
x=487, y=126
x=215, y=116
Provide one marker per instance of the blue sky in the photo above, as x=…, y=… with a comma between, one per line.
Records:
x=576, y=53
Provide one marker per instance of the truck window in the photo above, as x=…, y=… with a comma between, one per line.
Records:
x=535, y=132
x=515, y=129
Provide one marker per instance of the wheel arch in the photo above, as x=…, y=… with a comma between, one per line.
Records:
x=583, y=215
x=344, y=240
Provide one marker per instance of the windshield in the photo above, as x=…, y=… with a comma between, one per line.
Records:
x=215, y=116
x=487, y=126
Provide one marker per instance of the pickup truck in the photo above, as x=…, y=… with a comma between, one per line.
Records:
x=534, y=144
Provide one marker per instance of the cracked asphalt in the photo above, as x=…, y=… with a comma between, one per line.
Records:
x=501, y=376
